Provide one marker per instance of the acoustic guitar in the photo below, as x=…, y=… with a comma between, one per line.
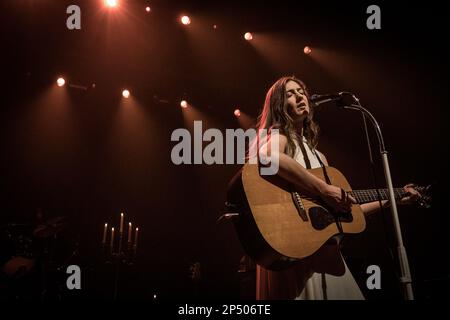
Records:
x=278, y=225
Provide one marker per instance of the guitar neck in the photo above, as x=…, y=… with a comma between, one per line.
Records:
x=369, y=195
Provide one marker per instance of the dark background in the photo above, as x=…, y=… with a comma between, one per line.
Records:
x=87, y=155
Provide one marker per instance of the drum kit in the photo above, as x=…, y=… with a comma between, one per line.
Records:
x=28, y=259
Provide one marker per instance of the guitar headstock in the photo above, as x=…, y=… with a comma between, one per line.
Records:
x=425, y=196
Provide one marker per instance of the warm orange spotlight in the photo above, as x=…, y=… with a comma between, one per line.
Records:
x=237, y=113
x=248, y=36
x=111, y=3
x=147, y=9
x=185, y=20
x=125, y=93
x=183, y=104
x=60, y=82
x=307, y=50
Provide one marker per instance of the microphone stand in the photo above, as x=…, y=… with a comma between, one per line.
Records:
x=405, y=277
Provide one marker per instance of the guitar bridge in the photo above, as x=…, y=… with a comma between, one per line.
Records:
x=322, y=218
x=299, y=205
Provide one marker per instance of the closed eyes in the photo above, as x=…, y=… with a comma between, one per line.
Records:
x=292, y=91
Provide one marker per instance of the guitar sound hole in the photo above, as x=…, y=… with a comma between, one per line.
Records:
x=322, y=218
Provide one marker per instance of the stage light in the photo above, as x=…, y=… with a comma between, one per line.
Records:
x=248, y=36
x=237, y=113
x=111, y=3
x=183, y=104
x=60, y=82
x=185, y=20
x=307, y=50
x=215, y=26
x=125, y=93
x=147, y=9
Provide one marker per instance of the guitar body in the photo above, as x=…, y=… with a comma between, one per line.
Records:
x=278, y=225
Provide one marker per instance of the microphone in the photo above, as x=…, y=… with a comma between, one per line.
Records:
x=323, y=98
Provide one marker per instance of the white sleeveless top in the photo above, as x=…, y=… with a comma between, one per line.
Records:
x=312, y=155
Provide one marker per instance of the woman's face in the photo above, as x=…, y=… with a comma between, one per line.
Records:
x=297, y=101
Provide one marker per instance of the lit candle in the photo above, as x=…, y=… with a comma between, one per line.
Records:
x=105, y=230
x=136, y=239
x=112, y=238
x=121, y=223
x=129, y=232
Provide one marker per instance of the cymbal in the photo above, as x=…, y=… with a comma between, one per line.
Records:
x=50, y=227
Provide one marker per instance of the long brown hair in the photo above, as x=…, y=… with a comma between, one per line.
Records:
x=275, y=116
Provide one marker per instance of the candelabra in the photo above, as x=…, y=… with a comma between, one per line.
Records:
x=114, y=251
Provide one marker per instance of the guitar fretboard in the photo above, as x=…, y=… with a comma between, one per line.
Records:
x=369, y=195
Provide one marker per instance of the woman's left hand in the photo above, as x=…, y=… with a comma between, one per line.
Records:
x=412, y=196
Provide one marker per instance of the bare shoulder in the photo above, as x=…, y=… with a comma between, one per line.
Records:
x=282, y=141
x=282, y=137
x=267, y=144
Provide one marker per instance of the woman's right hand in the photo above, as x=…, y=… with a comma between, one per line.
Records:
x=337, y=198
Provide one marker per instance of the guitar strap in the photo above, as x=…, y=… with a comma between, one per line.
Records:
x=325, y=174
x=308, y=162
x=305, y=155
